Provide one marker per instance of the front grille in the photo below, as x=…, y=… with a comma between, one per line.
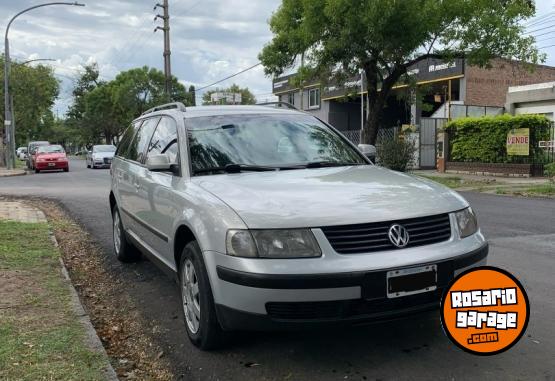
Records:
x=364, y=238
x=107, y=160
x=345, y=309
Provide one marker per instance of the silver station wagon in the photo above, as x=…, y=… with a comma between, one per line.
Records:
x=269, y=218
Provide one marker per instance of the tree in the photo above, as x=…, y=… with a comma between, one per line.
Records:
x=102, y=110
x=247, y=97
x=34, y=90
x=385, y=37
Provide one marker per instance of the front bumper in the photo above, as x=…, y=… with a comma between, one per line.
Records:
x=257, y=301
x=51, y=165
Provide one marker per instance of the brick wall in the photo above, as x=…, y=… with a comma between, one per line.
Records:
x=495, y=169
x=488, y=87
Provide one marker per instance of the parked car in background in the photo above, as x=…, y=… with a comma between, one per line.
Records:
x=100, y=156
x=21, y=153
x=51, y=157
x=31, y=150
x=270, y=218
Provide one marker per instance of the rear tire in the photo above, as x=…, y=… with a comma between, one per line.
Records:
x=124, y=250
x=199, y=311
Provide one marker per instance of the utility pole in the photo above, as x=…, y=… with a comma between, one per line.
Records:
x=167, y=52
x=302, y=82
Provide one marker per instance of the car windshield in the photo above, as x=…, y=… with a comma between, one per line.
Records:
x=51, y=149
x=104, y=148
x=269, y=140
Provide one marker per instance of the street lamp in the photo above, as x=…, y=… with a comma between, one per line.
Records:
x=9, y=123
x=35, y=60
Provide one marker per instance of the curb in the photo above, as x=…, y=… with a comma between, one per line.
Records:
x=19, y=173
x=92, y=339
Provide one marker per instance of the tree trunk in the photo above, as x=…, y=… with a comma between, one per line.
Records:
x=108, y=136
x=377, y=99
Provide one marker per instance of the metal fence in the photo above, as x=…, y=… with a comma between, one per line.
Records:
x=383, y=133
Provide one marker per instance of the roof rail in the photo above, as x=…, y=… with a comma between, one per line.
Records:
x=278, y=104
x=177, y=105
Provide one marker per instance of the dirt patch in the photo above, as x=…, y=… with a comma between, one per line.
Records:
x=22, y=292
x=115, y=317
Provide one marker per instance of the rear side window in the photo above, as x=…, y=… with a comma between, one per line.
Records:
x=123, y=146
x=142, y=137
x=164, y=140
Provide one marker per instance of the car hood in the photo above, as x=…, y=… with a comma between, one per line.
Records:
x=329, y=196
x=102, y=155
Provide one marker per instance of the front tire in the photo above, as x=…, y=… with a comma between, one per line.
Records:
x=124, y=250
x=199, y=311
x=37, y=170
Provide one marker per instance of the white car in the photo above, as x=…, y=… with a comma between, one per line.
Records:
x=21, y=153
x=100, y=156
x=269, y=218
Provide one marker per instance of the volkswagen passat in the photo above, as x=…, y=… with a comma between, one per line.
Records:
x=269, y=218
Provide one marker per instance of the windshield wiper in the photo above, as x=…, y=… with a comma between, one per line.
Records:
x=236, y=168
x=322, y=164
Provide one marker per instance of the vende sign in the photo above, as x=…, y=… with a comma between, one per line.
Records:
x=518, y=142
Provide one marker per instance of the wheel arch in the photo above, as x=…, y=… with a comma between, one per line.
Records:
x=113, y=201
x=183, y=236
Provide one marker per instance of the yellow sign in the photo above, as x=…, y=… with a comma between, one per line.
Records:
x=518, y=142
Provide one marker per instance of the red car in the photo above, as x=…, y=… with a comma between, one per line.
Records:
x=51, y=157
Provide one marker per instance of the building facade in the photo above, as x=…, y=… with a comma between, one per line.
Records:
x=448, y=90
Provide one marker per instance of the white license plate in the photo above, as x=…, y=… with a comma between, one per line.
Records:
x=51, y=164
x=414, y=280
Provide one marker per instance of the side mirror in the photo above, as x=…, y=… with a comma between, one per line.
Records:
x=158, y=163
x=368, y=150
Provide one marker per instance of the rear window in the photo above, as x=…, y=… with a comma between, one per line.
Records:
x=51, y=149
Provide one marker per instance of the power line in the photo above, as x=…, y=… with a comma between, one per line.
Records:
x=549, y=19
x=539, y=19
x=543, y=34
x=545, y=47
x=230, y=76
x=540, y=29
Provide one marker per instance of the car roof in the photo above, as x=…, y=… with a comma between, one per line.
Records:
x=198, y=111
x=42, y=142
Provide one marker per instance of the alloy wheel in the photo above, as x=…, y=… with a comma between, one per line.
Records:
x=190, y=295
x=117, y=232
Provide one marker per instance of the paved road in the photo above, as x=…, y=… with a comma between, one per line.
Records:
x=522, y=236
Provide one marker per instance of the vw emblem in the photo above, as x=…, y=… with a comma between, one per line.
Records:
x=398, y=235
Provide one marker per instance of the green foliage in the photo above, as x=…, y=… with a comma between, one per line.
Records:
x=247, y=97
x=102, y=110
x=34, y=90
x=396, y=153
x=549, y=170
x=385, y=37
x=484, y=139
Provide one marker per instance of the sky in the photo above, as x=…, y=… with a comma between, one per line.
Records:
x=210, y=39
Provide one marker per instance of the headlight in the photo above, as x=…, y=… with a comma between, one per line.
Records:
x=467, y=223
x=294, y=243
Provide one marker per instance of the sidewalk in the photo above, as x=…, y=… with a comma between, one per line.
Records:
x=13, y=172
x=45, y=332
x=479, y=178
x=511, y=186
